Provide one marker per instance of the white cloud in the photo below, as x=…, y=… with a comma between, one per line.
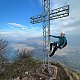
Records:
x=59, y=3
x=60, y=26
x=68, y=24
x=22, y=32
x=17, y=26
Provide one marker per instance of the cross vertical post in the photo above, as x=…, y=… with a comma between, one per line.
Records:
x=46, y=30
x=45, y=17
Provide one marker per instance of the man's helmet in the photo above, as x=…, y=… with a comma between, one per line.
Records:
x=63, y=33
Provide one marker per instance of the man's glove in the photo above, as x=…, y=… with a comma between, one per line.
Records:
x=49, y=35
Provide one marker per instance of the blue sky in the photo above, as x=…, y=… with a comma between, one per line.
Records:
x=18, y=10
x=15, y=19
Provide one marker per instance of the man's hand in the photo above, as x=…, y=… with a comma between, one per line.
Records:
x=49, y=35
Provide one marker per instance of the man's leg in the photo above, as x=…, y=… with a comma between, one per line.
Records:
x=51, y=44
x=55, y=48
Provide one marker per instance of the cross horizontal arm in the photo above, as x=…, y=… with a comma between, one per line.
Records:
x=36, y=19
x=59, y=12
x=54, y=14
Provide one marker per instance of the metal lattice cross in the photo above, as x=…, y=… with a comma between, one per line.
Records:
x=45, y=17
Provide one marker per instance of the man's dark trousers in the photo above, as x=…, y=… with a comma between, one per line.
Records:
x=55, y=48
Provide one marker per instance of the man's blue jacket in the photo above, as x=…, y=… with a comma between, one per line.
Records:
x=62, y=41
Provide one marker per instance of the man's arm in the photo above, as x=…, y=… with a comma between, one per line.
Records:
x=54, y=36
x=65, y=41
